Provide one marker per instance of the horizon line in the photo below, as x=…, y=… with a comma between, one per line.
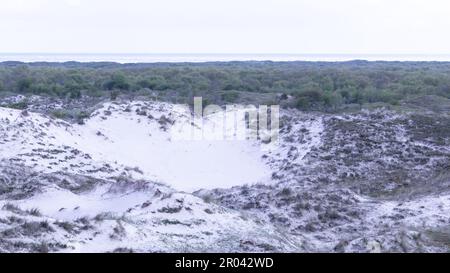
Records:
x=226, y=53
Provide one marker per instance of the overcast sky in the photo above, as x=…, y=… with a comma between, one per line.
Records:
x=226, y=26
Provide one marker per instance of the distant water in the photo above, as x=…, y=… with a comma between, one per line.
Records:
x=154, y=58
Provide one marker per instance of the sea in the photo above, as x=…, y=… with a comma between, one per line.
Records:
x=207, y=57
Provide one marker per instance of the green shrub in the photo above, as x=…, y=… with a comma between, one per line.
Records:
x=230, y=96
x=24, y=85
x=19, y=105
x=117, y=81
x=60, y=114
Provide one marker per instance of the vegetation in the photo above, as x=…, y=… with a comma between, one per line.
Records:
x=305, y=85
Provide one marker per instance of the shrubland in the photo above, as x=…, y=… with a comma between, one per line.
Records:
x=321, y=86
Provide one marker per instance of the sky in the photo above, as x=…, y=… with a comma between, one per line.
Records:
x=225, y=26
